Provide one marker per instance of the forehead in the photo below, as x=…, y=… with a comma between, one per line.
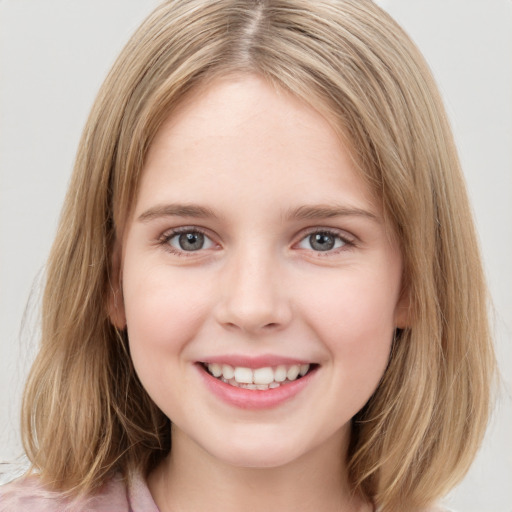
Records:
x=241, y=132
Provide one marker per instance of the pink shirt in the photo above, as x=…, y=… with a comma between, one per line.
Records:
x=27, y=495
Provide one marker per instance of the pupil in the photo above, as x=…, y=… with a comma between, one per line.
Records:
x=191, y=241
x=321, y=241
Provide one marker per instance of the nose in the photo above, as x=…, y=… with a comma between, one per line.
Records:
x=253, y=296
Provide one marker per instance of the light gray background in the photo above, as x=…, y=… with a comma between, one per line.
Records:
x=54, y=55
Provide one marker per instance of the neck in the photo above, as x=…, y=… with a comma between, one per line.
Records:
x=190, y=479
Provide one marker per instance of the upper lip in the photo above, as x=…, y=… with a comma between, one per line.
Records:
x=255, y=361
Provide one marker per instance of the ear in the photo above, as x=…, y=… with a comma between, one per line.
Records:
x=403, y=310
x=115, y=301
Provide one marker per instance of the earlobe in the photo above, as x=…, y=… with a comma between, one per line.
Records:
x=115, y=301
x=402, y=318
x=116, y=308
x=403, y=311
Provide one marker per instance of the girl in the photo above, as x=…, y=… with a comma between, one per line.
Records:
x=265, y=290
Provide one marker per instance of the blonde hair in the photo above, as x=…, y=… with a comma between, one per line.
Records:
x=85, y=413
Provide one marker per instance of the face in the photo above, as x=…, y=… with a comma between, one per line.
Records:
x=261, y=286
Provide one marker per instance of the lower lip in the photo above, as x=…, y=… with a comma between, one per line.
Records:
x=255, y=398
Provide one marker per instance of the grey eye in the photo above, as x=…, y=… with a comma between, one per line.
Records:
x=322, y=241
x=190, y=241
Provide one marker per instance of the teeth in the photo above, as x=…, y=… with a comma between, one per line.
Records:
x=263, y=376
x=215, y=369
x=280, y=374
x=293, y=372
x=260, y=378
x=243, y=375
x=227, y=371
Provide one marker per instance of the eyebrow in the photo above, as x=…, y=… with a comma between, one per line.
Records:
x=323, y=211
x=177, y=210
x=310, y=212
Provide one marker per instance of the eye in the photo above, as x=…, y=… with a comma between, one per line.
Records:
x=322, y=241
x=188, y=241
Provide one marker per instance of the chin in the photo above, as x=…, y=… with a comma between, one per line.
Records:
x=247, y=452
x=259, y=459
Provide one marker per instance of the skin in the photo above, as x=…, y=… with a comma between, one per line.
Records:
x=253, y=158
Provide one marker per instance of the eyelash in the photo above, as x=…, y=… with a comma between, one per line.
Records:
x=164, y=241
x=347, y=241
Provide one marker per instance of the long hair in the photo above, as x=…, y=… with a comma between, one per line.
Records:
x=85, y=413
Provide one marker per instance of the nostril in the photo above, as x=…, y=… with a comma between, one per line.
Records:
x=249, y=327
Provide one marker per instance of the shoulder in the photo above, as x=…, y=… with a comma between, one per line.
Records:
x=439, y=508
x=435, y=508
x=27, y=494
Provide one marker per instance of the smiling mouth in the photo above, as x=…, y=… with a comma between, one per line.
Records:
x=258, y=378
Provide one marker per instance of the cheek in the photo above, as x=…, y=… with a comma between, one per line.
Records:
x=354, y=316
x=162, y=312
